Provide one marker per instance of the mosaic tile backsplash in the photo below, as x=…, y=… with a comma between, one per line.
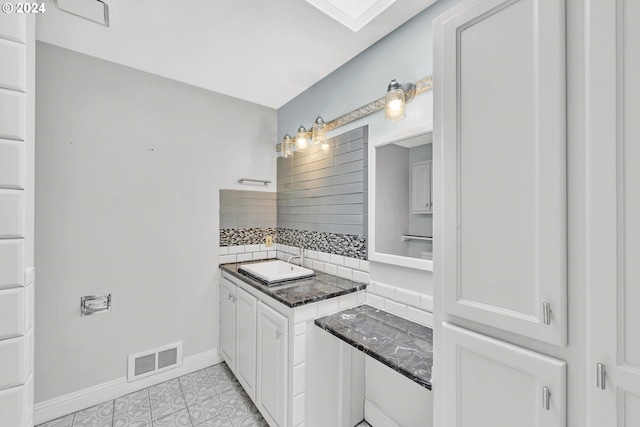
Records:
x=246, y=236
x=332, y=243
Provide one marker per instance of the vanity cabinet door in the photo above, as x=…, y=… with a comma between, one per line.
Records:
x=228, y=323
x=421, y=187
x=246, y=341
x=271, y=391
x=500, y=110
x=491, y=383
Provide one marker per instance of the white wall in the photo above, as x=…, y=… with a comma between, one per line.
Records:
x=128, y=169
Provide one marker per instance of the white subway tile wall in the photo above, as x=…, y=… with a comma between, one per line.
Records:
x=408, y=304
x=337, y=265
x=244, y=257
x=240, y=253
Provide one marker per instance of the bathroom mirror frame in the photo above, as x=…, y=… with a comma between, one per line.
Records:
x=373, y=254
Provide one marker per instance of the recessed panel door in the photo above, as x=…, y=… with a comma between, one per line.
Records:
x=501, y=98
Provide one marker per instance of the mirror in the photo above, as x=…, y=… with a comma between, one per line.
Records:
x=400, y=205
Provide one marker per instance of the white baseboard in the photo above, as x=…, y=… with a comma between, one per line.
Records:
x=72, y=402
x=376, y=417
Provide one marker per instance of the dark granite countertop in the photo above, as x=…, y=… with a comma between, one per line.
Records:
x=405, y=346
x=299, y=292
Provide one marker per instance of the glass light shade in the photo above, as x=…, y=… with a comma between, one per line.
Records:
x=302, y=139
x=319, y=133
x=286, y=148
x=394, y=105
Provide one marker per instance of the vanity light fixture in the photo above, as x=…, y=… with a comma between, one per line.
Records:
x=286, y=149
x=319, y=134
x=396, y=98
x=393, y=103
x=302, y=139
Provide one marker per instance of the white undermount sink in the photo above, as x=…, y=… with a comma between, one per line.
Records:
x=273, y=272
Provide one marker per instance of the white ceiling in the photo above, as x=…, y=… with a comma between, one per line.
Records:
x=263, y=51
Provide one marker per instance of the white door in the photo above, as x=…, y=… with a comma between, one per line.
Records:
x=228, y=322
x=271, y=392
x=500, y=115
x=246, y=341
x=17, y=81
x=490, y=383
x=613, y=211
x=421, y=187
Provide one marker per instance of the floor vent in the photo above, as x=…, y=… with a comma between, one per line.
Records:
x=154, y=361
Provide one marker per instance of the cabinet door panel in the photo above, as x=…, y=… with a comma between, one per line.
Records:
x=613, y=223
x=504, y=165
x=491, y=383
x=228, y=323
x=271, y=392
x=246, y=341
x=421, y=187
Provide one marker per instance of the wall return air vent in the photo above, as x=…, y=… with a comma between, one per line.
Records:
x=154, y=361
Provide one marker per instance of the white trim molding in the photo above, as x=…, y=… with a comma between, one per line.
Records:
x=72, y=402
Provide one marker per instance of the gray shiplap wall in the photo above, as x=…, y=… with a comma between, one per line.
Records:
x=326, y=191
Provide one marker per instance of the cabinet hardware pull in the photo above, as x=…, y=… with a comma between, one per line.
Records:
x=546, y=394
x=546, y=313
x=230, y=295
x=601, y=376
x=277, y=334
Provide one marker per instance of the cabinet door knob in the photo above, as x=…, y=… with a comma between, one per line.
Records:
x=277, y=334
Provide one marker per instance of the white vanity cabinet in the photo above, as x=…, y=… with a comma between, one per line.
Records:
x=421, y=201
x=238, y=333
x=272, y=344
x=228, y=323
x=277, y=352
x=246, y=341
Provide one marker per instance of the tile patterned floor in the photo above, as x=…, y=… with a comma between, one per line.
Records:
x=212, y=397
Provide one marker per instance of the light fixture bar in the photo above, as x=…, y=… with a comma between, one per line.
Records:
x=422, y=85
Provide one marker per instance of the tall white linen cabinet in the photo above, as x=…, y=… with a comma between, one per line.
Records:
x=537, y=214
x=17, y=154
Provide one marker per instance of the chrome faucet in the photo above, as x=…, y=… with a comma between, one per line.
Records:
x=300, y=257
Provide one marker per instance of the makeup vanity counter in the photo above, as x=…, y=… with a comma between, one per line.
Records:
x=404, y=346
